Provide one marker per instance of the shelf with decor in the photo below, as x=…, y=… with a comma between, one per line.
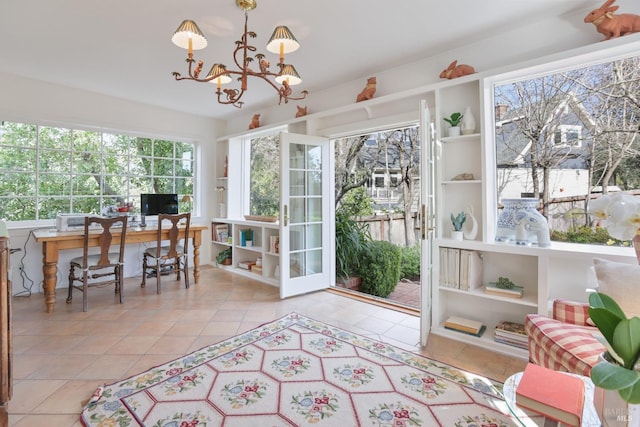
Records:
x=545, y=273
x=461, y=185
x=520, y=265
x=261, y=235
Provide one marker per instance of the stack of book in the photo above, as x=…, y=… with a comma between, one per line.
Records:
x=514, y=292
x=467, y=326
x=246, y=264
x=221, y=233
x=460, y=269
x=511, y=333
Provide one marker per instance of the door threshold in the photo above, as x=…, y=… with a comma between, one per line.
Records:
x=371, y=299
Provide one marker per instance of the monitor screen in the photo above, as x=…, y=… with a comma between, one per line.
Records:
x=154, y=204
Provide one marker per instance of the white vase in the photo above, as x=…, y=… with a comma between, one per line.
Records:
x=454, y=131
x=468, y=123
x=615, y=412
x=470, y=230
x=457, y=235
x=612, y=410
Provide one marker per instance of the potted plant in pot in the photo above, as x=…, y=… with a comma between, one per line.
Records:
x=224, y=257
x=619, y=370
x=457, y=221
x=454, y=120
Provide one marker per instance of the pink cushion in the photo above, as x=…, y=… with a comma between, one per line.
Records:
x=567, y=311
x=562, y=346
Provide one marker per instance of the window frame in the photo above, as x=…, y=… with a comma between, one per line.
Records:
x=584, y=57
x=106, y=140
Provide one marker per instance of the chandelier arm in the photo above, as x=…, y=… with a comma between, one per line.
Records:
x=235, y=103
x=233, y=96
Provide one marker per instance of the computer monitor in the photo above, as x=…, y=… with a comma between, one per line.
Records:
x=155, y=204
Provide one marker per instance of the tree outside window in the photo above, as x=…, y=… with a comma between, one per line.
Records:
x=48, y=170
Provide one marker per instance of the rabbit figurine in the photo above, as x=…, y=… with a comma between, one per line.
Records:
x=611, y=25
x=454, y=70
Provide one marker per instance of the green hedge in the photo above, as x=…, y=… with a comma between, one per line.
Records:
x=410, y=266
x=380, y=268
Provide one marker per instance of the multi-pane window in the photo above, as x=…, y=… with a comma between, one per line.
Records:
x=48, y=170
x=567, y=135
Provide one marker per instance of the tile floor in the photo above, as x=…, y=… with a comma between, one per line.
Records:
x=60, y=358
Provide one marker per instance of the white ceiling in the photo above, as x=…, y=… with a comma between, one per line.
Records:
x=122, y=47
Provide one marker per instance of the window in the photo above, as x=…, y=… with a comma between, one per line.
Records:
x=567, y=135
x=264, y=180
x=49, y=170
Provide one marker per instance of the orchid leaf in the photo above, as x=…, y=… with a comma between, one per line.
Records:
x=600, y=300
x=631, y=394
x=606, y=321
x=626, y=341
x=613, y=377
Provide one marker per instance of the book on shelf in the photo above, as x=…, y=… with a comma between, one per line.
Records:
x=256, y=269
x=556, y=395
x=515, y=292
x=511, y=329
x=221, y=233
x=246, y=264
x=467, y=326
x=274, y=244
x=475, y=334
x=460, y=268
x=511, y=333
x=470, y=270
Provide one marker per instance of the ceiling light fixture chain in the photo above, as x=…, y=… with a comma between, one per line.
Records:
x=189, y=36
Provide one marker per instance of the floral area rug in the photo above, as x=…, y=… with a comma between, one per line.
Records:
x=297, y=371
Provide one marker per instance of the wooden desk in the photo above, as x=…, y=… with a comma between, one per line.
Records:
x=54, y=241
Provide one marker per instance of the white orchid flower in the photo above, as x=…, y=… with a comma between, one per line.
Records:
x=622, y=212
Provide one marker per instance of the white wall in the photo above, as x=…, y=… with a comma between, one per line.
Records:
x=26, y=100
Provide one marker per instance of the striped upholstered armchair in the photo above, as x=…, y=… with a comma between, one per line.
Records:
x=566, y=342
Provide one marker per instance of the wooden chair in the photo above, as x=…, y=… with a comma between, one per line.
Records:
x=174, y=256
x=103, y=268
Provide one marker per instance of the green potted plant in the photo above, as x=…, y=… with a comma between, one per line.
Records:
x=351, y=240
x=619, y=369
x=224, y=257
x=454, y=120
x=457, y=221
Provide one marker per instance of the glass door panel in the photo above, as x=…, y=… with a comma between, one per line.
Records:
x=306, y=207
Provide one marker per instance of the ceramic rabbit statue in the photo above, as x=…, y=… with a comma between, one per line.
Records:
x=611, y=25
x=454, y=70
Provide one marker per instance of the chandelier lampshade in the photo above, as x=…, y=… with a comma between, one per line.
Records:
x=189, y=36
x=282, y=41
x=219, y=75
x=289, y=74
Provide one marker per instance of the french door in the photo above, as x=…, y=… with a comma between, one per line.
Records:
x=306, y=202
x=427, y=218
